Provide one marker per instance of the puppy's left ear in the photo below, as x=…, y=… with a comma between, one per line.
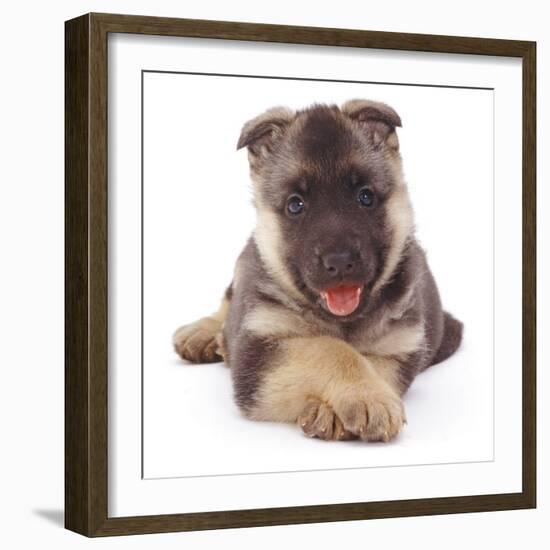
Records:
x=378, y=119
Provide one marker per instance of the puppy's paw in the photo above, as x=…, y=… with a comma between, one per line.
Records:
x=199, y=341
x=372, y=415
x=318, y=419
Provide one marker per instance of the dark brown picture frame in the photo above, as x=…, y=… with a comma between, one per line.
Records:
x=86, y=284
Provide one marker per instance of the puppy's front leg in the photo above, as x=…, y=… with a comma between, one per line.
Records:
x=329, y=388
x=201, y=341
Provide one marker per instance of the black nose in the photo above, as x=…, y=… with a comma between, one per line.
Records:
x=338, y=263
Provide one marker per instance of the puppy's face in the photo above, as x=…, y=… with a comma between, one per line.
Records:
x=330, y=200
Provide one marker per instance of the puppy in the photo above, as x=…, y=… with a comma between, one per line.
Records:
x=332, y=310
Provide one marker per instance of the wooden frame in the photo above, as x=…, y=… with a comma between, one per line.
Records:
x=87, y=286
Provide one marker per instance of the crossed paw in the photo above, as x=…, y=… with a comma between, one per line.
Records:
x=370, y=416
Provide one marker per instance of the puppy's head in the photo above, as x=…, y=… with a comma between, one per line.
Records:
x=333, y=211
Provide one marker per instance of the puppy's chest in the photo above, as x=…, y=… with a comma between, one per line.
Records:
x=388, y=339
x=383, y=338
x=364, y=336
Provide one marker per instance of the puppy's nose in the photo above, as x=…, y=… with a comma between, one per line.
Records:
x=338, y=263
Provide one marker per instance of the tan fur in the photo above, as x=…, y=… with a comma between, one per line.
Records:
x=202, y=341
x=276, y=321
x=268, y=239
x=383, y=330
x=318, y=419
x=388, y=369
x=397, y=342
x=237, y=274
x=400, y=220
x=329, y=370
x=392, y=141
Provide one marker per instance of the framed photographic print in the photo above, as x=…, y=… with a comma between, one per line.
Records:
x=300, y=274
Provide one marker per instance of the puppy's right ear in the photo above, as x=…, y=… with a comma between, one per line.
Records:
x=260, y=133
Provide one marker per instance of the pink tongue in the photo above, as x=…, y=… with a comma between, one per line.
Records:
x=342, y=300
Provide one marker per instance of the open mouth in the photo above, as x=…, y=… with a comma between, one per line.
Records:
x=342, y=300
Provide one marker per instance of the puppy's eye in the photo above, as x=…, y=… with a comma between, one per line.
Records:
x=295, y=205
x=366, y=197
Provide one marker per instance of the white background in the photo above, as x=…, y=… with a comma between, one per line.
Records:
x=197, y=217
x=31, y=292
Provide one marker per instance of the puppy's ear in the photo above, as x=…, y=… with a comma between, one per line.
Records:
x=378, y=119
x=260, y=133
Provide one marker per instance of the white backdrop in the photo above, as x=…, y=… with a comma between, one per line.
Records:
x=31, y=294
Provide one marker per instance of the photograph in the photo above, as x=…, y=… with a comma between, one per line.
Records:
x=324, y=261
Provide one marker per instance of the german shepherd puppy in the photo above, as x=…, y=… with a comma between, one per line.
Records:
x=332, y=310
